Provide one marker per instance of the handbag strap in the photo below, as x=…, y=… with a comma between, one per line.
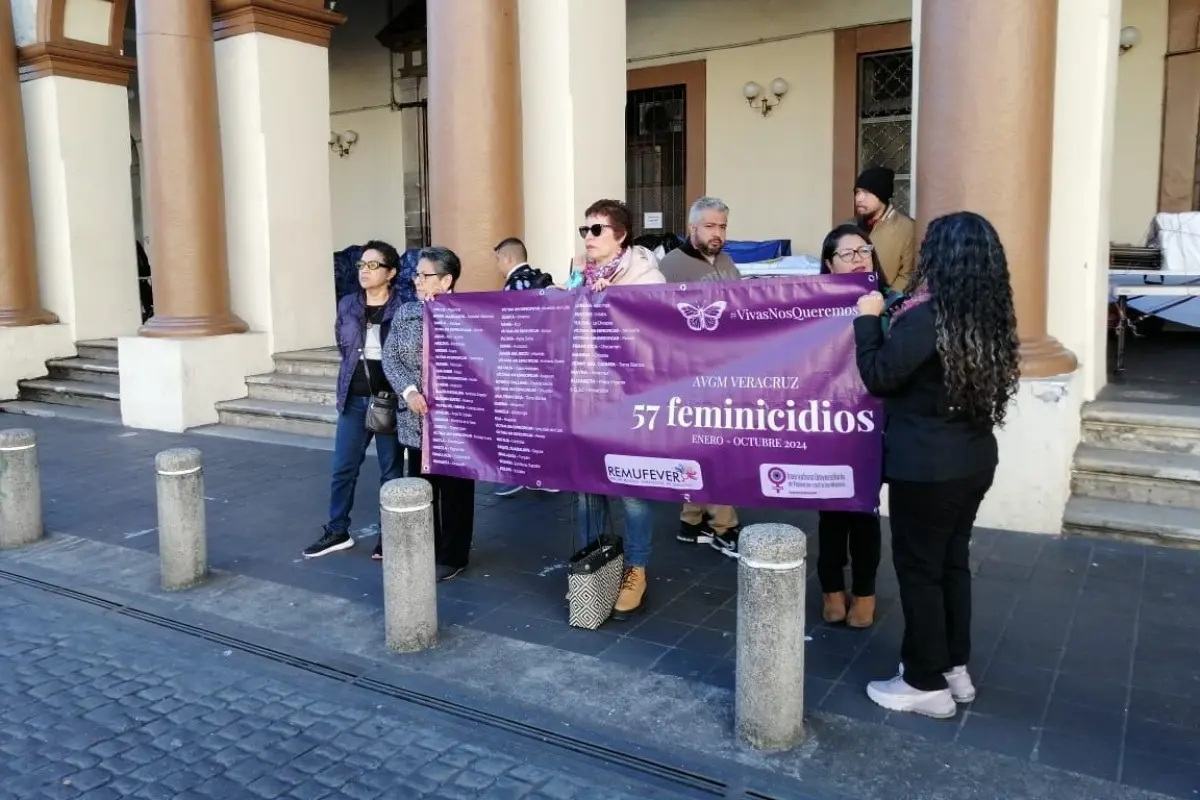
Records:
x=593, y=506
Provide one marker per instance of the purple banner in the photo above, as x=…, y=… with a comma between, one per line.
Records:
x=741, y=393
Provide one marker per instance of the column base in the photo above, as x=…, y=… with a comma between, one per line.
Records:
x=175, y=384
x=23, y=317
x=1045, y=357
x=25, y=350
x=1037, y=450
x=162, y=327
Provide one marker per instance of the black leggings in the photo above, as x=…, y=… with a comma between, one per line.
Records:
x=931, y=548
x=848, y=536
x=453, y=513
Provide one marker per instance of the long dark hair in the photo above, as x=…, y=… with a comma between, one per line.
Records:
x=829, y=247
x=963, y=267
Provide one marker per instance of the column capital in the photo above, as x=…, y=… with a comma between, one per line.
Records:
x=300, y=20
x=72, y=59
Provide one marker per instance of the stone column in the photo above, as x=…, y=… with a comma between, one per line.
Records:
x=77, y=119
x=573, y=120
x=184, y=190
x=194, y=352
x=274, y=142
x=994, y=158
x=474, y=132
x=20, y=303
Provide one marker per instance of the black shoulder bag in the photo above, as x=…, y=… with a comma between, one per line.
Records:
x=381, y=411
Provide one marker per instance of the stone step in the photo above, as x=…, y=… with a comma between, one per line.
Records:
x=89, y=370
x=99, y=349
x=321, y=362
x=106, y=415
x=306, y=419
x=1114, y=519
x=1134, y=476
x=70, y=393
x=1149, y=427
x=293, y=388
x=265, y=436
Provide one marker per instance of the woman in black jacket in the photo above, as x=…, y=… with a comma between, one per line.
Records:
x=947, y=371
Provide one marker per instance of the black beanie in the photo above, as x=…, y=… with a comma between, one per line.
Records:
x=879, y=181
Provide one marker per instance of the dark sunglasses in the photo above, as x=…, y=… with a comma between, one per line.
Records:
x=594, y=230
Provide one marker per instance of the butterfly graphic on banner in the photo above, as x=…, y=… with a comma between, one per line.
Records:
x=705, y=318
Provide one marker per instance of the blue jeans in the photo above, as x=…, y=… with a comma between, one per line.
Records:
x=349, y=450
x=637, y=524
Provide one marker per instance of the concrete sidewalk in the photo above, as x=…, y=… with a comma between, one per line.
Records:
x=1086, y=653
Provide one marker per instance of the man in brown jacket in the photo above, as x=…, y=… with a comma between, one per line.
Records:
x=892, y=232
x=701, y=259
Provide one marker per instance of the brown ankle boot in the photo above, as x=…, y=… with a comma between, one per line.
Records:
x=633, y=593
x=862, y=612
x=835, y=607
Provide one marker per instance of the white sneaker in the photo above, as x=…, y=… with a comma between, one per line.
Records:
x=961, y=687
x=897, y=695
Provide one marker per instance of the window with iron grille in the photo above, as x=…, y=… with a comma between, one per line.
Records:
x=885, y=108
x=656, y=157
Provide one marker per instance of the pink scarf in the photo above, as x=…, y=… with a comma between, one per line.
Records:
x=593, y=272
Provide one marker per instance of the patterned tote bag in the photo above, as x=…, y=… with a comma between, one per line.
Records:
x=594, y=573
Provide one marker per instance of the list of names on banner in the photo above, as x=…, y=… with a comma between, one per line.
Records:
x=463, y=399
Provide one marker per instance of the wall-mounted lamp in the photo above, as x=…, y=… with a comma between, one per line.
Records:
x=1130, y=36
x=759, y=101
x=342, y=143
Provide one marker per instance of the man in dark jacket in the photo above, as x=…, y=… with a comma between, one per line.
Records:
x=512, y=259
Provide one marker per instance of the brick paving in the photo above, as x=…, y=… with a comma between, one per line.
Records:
x=1086, y=653
x=97, y=707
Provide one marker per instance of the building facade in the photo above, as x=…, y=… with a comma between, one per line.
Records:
x=266, y=134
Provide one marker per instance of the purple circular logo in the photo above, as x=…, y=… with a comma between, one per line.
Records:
x=776, y=476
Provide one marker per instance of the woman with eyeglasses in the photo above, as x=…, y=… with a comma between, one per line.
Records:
x=438, y=270
x=364, y=319
x=848, y=536
x=610, y=260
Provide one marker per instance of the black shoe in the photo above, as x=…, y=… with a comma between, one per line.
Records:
x=726, y=543
x=445, y=573
x=377, y=553
x=694, y=534
x=329, y=542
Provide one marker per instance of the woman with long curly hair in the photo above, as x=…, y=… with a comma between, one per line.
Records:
x=947, y=371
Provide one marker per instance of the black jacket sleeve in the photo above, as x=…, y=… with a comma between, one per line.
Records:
x=886, y=364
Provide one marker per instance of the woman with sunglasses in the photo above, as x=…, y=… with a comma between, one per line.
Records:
x=610, y=260
x=847, y=535
x=364, y=319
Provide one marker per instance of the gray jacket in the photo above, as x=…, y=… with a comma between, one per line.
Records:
x=402, y=365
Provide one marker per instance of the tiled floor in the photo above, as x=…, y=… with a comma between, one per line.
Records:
x=1086, y=655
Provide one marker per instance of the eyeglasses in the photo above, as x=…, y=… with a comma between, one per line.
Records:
x=370, y=265
x=863, y=252
x=594, y=230
x=428, y=275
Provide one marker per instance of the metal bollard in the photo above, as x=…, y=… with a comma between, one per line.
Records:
x=769, y=704
x=409, y=572
x=20, y=489
x=182, y=542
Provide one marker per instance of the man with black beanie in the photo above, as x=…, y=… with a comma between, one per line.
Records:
x=893, y=233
